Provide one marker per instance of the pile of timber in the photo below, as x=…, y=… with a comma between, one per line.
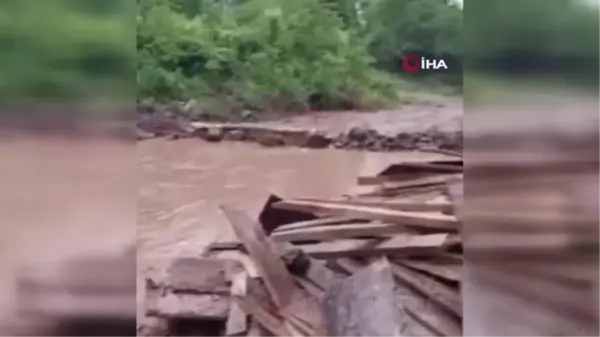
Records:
x=383, y=261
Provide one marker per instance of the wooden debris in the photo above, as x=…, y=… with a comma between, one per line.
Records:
x=302, y=268
x=318, y=223
x=380, y=202
x=256, y=330
x=287, y=297
x=433, y=290
x=339, y=232
x=450, y=272
x=399, y=245
x=420, y=219
x=190, y=306
x=199, y=275
x=363, y=304
x=237, y=321
x=271, y=268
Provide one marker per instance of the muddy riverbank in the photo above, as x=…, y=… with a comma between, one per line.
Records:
x=432, y=124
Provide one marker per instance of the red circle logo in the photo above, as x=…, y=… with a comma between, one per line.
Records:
x=411, y=64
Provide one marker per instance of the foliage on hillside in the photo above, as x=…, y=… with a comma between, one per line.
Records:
x=283, y=55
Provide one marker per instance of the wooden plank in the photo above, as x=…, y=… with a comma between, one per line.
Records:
x=363, y=304
x=391, y=186
x=450, y=272
x=291, y=300
x=442, y=151
x=257, y=330
x=236, y=324
x=419, y=219
x=431, y=317
x=263, y=253
x=190, y=306
x=398, y=205
x=433, y=290
x=399, y=245
x=236, y=255
x=319, y=222
x=199, y=275
x=256, y=303
x=339, y=232
x=224, y=245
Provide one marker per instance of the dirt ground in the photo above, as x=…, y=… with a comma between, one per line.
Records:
x=440, y=112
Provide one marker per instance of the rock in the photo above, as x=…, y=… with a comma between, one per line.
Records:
x=248, y=116
x=161, y=123
x=404, y=141
x=317, y=140
x=270, y=140
x=358, y=133
x=236, y=135
x=214, y=134
x=141, y=134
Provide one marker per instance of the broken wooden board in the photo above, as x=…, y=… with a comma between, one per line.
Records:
x=418, y=219
x=341, y=231
x=363, y=304
x=256, y=303
x=188, y=306
x=391, y=187
x=433, y=318
x=383, y=202
x=264, y=254
x=287, y=296
x=399, y=245
x=450, y=272
x=318, y=222
x=447, y=297
x=199, y=275
x=236, y=255
x=237, y=321
x=257, y=330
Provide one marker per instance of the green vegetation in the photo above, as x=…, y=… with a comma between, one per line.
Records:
x=281, y=54
x=286, y=55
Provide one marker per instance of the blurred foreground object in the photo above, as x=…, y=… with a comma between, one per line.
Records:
x=83, y=296
x=530, y=221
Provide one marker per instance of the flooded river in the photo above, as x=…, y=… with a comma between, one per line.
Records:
x=184, y=181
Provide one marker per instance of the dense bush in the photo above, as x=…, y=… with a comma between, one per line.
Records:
x=258, y=54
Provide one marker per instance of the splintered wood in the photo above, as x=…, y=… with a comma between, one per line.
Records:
x=386, y=262
x=382, y=263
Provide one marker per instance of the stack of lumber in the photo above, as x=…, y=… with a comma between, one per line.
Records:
x=386, y=261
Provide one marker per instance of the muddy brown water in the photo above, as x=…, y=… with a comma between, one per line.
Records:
x=68, y=196
x=183, y=182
